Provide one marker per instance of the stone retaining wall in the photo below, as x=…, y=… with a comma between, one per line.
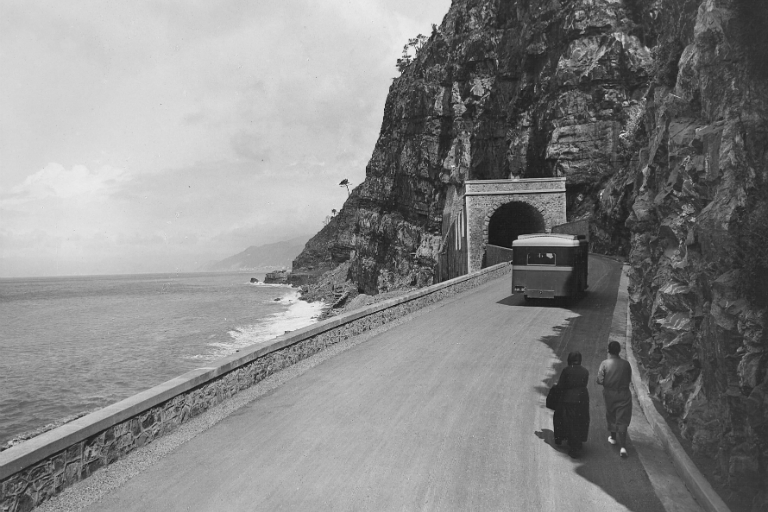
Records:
x=39, y=468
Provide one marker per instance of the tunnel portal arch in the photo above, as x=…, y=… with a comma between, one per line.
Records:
x=492, y=206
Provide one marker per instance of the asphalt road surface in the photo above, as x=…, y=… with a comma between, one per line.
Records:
x=444, y=412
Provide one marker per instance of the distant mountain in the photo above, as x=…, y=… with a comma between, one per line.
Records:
x=262, y=257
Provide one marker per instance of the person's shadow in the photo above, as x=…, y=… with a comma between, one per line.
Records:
x=547, y=436
x=599, y=462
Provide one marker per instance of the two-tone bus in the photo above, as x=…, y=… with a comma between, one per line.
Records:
x=550, y=265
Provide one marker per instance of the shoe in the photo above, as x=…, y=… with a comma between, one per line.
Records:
x=623, y=452
x=611, y=440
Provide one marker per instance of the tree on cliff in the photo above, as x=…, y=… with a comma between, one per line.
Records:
x=416, y=43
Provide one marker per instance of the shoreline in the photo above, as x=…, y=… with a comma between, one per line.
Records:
x=298, y=314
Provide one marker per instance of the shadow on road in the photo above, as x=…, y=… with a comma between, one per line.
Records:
x=519, y=301
x=587, y=331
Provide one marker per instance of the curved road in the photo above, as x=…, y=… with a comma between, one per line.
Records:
x=444, y=412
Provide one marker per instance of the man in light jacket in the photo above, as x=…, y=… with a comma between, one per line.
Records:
x=615, y=375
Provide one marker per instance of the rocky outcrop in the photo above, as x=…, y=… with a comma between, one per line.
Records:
x=499, y=90
x=695, y=208
x=277, y=277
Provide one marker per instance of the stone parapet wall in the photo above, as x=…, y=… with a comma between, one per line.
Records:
x=520, y=186
x=577, y=227
x=40, y=468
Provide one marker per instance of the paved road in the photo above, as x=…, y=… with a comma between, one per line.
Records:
x=445, y=412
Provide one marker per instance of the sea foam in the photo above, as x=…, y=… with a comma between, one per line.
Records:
x=298, y=314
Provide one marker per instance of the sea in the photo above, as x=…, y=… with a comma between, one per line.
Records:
x=70, y=345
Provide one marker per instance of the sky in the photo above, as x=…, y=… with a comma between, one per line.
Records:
x=157, y=136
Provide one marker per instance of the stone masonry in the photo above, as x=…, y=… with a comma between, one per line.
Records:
x=483, y=198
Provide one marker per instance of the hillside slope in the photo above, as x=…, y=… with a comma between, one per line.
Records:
x=261, y=257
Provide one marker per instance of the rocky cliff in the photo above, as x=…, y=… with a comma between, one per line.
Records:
x=655, y=112
x=698, y=211
x=500, y=89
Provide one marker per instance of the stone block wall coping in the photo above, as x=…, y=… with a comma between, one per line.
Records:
x=520, y=181
x=49, y=443
x=514, y=192
x=523, y=186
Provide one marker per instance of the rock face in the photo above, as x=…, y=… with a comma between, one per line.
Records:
x=500, y=89
x=695, y=207
x=656, y=112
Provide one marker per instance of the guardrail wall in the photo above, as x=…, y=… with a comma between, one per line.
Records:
x=495, y=255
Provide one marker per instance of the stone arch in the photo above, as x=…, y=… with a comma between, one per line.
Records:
x=541, y=201
x=511, y=220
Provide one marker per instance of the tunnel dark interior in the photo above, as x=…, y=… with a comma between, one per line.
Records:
x=512, y=220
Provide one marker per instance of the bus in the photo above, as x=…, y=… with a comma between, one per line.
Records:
x=550, y=265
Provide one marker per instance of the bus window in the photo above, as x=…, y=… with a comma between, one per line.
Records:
x=541, y=258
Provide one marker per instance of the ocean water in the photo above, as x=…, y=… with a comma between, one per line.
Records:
x=75, y=344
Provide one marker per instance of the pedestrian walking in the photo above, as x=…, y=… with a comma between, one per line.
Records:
x=614, y=375
x=571, y=418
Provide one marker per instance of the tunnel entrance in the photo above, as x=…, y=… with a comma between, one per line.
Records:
x=498, y=211
x=512, y=220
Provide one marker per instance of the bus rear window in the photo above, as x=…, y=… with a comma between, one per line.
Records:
x=541, y=258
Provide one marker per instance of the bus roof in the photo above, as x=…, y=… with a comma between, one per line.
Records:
x=547, y=239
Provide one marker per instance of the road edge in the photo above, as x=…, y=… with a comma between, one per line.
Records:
x=697, y=485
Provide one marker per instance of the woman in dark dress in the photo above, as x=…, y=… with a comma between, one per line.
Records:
x=571, y=419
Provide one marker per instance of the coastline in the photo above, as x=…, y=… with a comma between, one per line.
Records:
x=340, y=295
x=296, y=314
x=299, y=314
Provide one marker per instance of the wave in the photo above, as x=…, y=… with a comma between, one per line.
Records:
x=271, y=285
x=298, y=314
